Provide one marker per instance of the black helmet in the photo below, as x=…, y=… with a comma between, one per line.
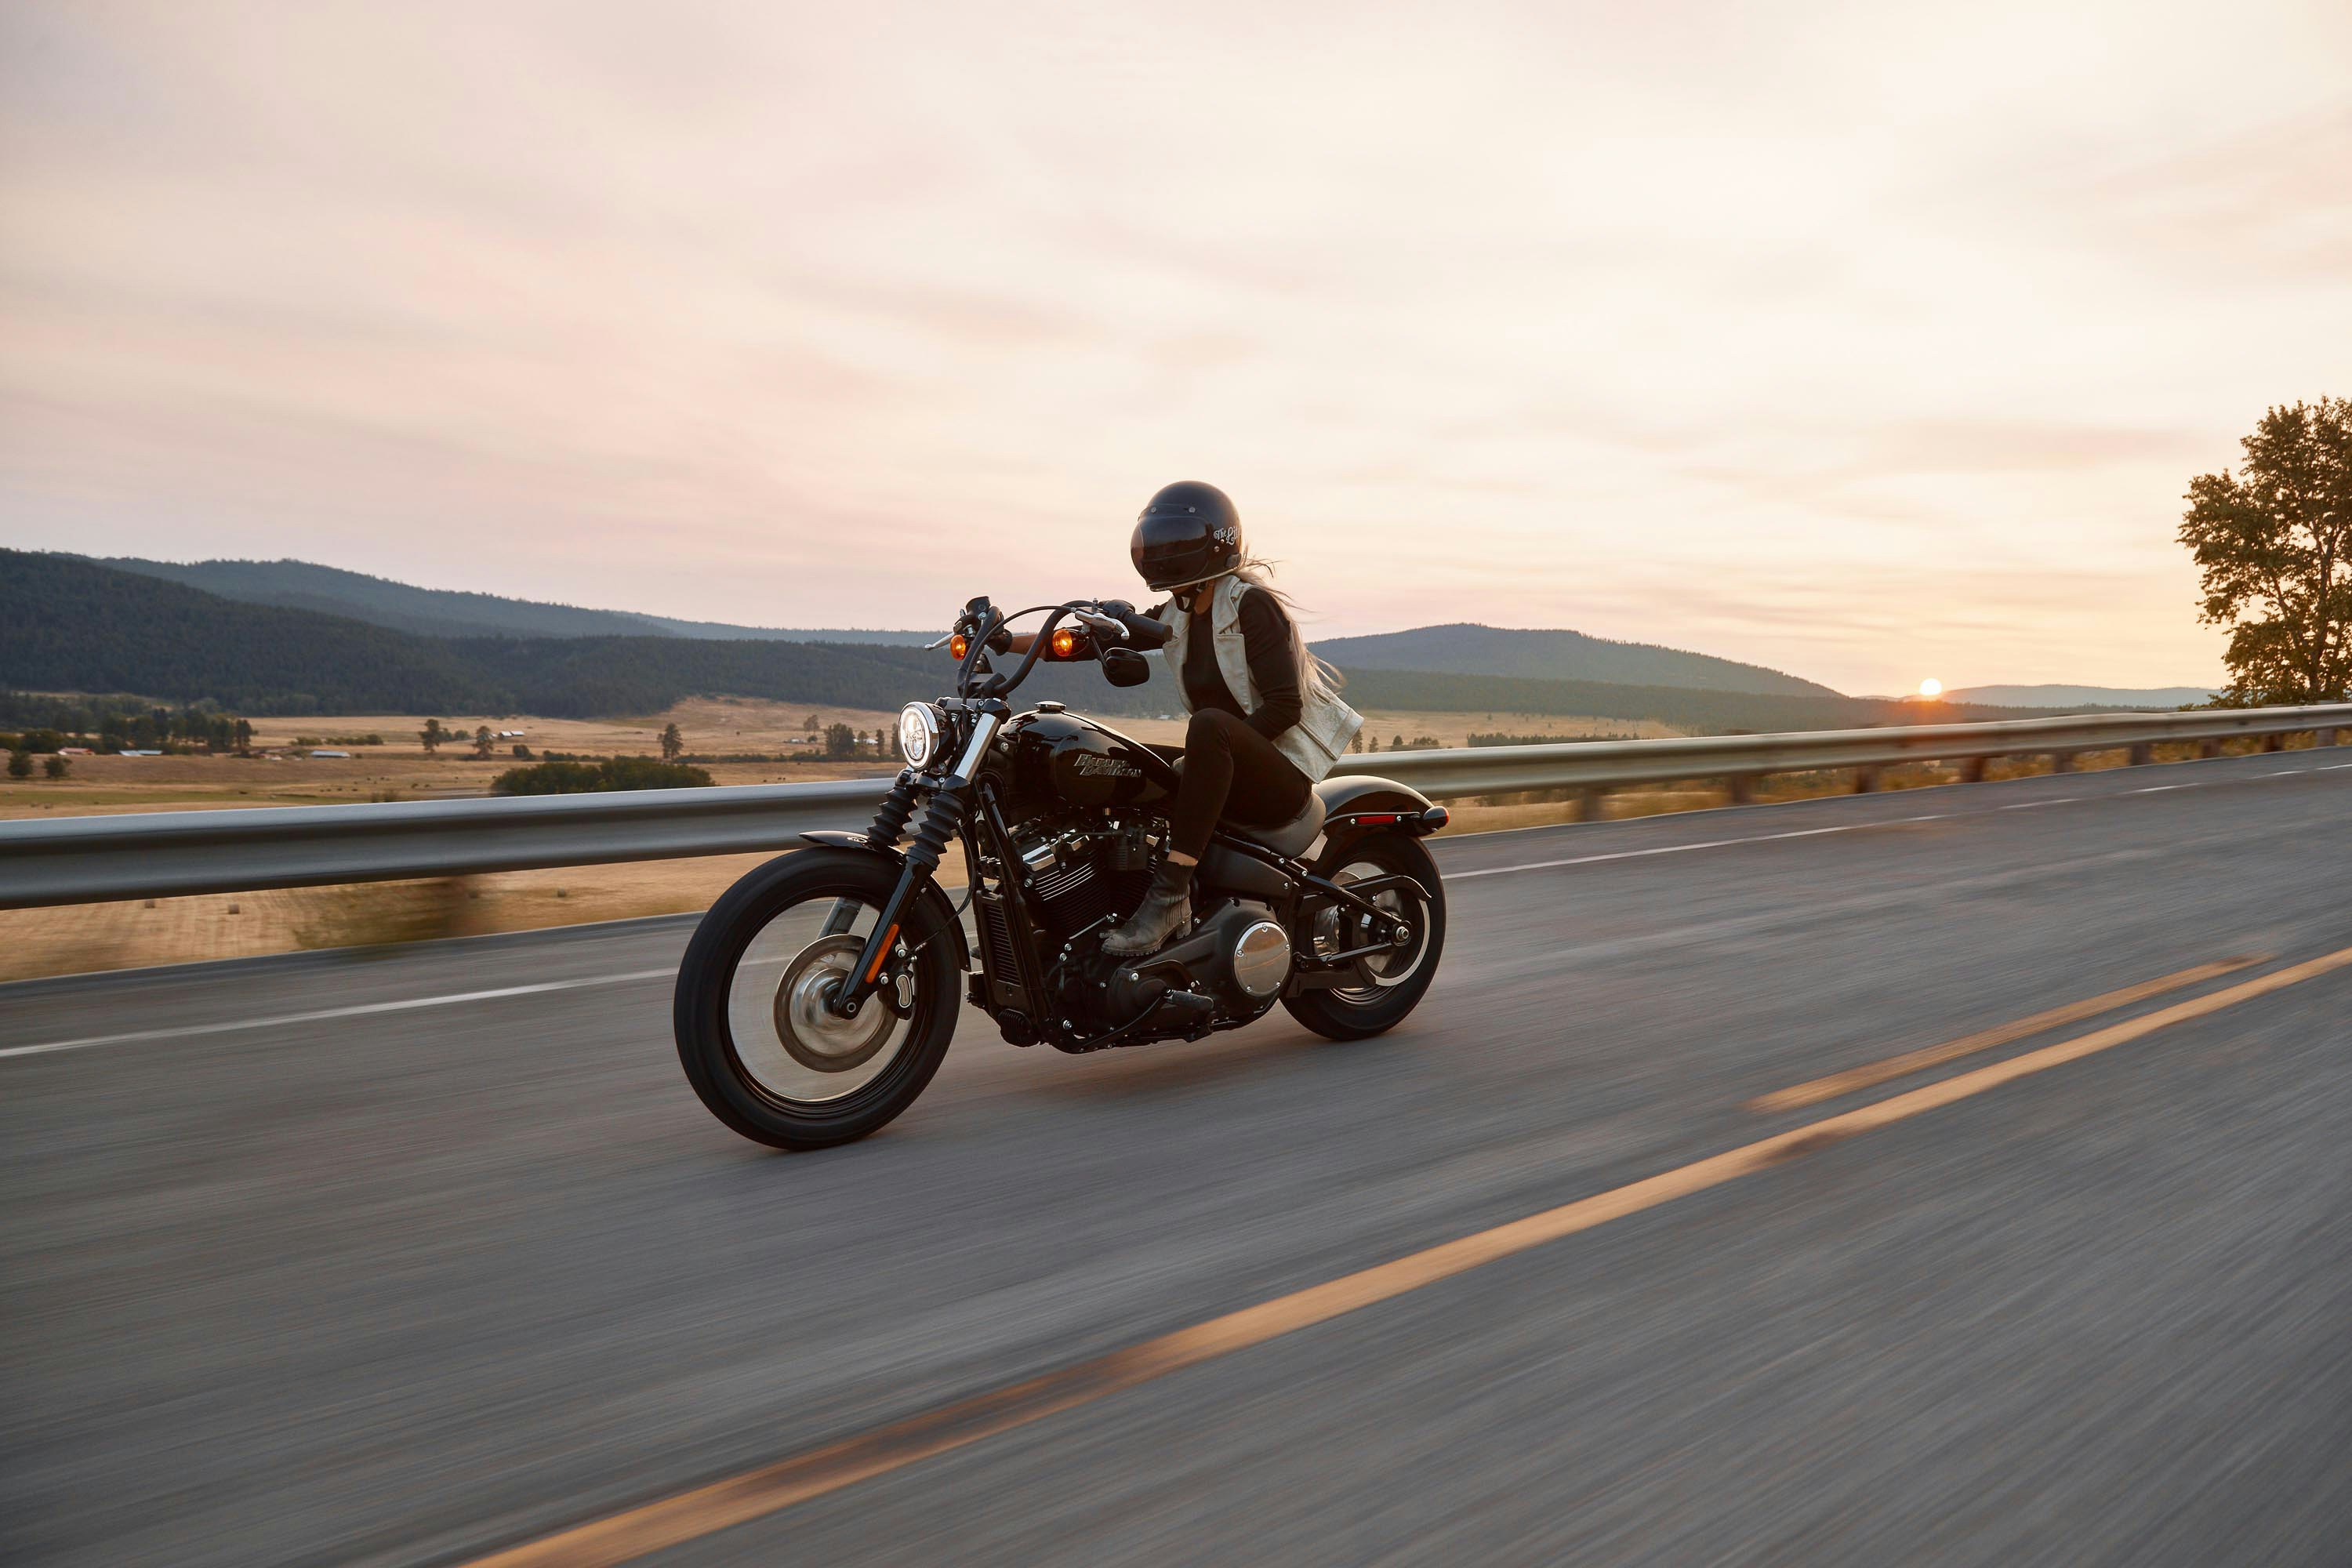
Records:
x=1188, y=532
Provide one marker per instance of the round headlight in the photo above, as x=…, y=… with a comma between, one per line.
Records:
x=919, y=734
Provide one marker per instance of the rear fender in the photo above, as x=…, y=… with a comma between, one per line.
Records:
x=1357, y=803
x=934, y=898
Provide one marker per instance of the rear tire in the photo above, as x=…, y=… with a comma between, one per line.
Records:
x=1357, y=1013
x=711, y=1004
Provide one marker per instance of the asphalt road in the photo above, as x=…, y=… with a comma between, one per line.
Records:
x=410, y=1283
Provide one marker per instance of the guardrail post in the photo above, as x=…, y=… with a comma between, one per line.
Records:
x=2207, y=749
x=2142, y=754
x=1866, y=781
x=1972, y=769
x=2273, y=742
x=2062, y=762
x=2323, y=737
x=1743, y=789
x=1587, y=802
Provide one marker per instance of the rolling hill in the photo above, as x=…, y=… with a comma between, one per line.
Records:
x=448, y=612
x=1457, y=649
x=71, y=624
x=1467, y=648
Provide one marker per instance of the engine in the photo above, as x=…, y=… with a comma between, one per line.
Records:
x=1082, y=876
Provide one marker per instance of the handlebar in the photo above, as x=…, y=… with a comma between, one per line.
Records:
x=985, y=625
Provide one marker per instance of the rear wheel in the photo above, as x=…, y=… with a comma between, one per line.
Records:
x=1380, y=989
x=764, y=1051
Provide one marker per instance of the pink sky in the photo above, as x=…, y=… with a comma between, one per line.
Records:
x=1867, y=342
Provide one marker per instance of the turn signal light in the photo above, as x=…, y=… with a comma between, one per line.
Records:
x=1065, y=643
x=959, y=646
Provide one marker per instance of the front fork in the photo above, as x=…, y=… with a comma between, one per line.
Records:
x=942, y=815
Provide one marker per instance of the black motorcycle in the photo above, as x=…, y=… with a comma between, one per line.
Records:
x=817, y=996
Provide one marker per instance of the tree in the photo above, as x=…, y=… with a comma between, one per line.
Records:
x=20, y=763
x=484, y=741
x=244, y=734
x=811, y=725
x=673, y=743
x=55, y=766
x=840, y=741
x=432, y=735
x=2271, y=542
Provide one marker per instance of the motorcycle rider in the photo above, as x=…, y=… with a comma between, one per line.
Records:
x=1266, y=718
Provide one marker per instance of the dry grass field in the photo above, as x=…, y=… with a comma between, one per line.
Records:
x=402, y=769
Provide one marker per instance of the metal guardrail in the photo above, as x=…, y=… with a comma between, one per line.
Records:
x=1602, y=765
x=90, y=860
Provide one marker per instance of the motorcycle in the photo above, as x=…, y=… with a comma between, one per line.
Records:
x=816, y=998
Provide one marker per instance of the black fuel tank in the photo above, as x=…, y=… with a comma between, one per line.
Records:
x=1063, y=759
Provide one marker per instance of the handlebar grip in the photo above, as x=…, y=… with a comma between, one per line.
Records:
x=1144, y=631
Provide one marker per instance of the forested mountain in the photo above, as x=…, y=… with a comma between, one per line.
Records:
x=1461, y=649
x=67, y=625
x=448, y=612
x=70, y=625
x=1466, y=649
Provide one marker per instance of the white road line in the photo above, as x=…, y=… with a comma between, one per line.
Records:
x=325, y=1014
x=1681, y=848
x=2158, y=789
x=2030, y=805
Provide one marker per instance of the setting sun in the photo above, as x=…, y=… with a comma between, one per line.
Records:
x=1931, y=687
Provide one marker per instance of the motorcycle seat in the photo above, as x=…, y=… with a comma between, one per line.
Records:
x=1286, y=839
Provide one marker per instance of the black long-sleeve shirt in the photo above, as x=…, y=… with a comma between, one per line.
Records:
x=1267, y=642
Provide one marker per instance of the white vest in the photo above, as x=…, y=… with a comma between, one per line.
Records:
x=1325, y=724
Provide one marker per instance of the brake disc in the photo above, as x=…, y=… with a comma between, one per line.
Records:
x=811, y=1032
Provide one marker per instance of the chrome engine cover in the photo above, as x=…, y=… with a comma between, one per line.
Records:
x=1260, y=960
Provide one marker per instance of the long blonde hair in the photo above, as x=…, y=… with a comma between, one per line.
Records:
x=1317, y=678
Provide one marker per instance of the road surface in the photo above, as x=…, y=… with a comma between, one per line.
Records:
x=418, y=1258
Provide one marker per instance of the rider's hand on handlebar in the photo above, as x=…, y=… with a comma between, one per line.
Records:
x=1142, y=631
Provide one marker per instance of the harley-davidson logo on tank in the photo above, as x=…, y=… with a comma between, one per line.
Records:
x=1091, y=768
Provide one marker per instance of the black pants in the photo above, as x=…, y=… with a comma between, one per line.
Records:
x=1232, y=772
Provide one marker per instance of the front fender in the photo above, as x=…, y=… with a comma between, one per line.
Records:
x=935, y=898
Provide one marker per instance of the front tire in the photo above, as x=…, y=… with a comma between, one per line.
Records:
x=1389, y=987
x=762, y=1053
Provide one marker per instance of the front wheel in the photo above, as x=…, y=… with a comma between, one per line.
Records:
x=1381, y=990
x=764, y=1052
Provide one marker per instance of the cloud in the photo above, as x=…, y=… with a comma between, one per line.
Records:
x=1827, y=339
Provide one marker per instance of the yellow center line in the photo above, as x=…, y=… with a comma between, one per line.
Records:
x=702, y=1510
x=1909, y=1062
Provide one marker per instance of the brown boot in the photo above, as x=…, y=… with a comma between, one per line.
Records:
x=1165, y=914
